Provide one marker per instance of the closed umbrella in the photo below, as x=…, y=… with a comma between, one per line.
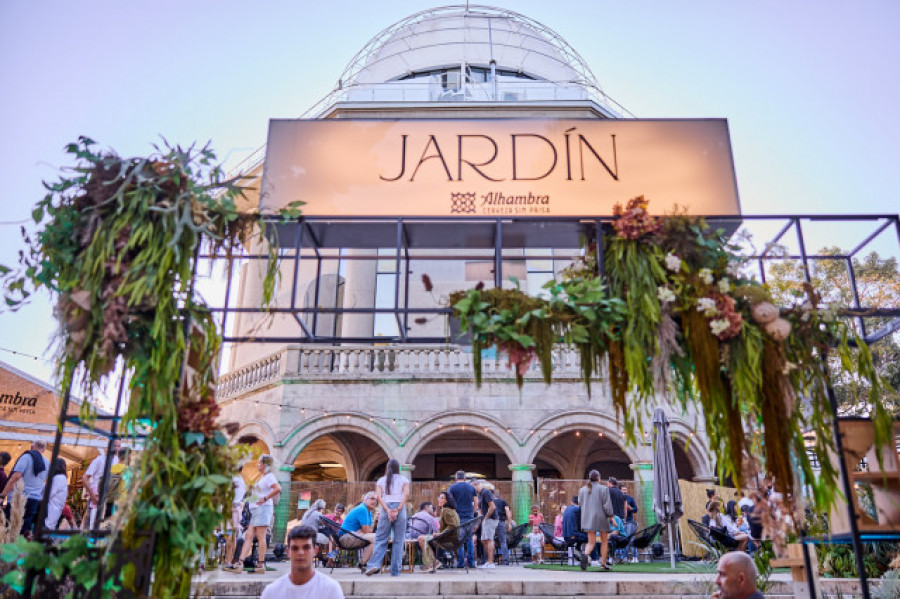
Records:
x=666, y=493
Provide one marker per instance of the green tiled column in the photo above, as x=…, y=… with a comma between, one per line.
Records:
x=522, y=491
x=284, y=507
x=643, y=481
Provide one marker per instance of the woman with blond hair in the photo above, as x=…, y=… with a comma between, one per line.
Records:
x=596, y=510
x=261, y=508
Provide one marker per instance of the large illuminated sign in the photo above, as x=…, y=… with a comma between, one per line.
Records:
x=483, y=167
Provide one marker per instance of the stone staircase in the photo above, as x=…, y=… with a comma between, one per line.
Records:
x=426, y=587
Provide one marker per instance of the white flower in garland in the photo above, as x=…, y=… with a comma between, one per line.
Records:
x=719, y=326
x=673, y=262
x=706, y=276
x=707, y=306
x=665, y=294
x=828, y=312
x=724, y=286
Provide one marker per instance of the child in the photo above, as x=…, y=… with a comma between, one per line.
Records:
x=536, y=542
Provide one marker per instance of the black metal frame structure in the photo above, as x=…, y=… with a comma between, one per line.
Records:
x=497, y=239
x=323, y=239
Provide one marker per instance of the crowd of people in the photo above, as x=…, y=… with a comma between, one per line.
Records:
x=597, y=513
x=29, y=476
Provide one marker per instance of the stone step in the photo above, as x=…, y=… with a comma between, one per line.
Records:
x=419, y=587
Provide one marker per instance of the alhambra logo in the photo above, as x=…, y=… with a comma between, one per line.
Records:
x=462, y=203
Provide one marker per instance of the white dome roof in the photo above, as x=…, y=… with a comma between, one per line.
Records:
x=451, y=35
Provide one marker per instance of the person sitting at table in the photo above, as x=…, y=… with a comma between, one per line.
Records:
x=338, y=515
x=422, y=522
x=448, y=523
x=311, y=519
x=722, y=522
x=359, y=521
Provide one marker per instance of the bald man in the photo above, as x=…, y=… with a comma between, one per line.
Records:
x=736, y=577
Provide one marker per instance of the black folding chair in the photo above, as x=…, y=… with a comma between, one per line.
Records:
x=348, y=543
x=642, y=539
x=513, y=539
x=559, y=545
x=713, y=537
x=617, y=542
x=452, y=539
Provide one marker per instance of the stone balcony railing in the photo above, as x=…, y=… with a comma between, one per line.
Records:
x=366, y=362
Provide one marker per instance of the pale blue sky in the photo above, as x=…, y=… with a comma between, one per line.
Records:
x=810, y=88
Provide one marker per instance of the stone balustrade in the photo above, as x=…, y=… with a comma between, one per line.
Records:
x=317, y=362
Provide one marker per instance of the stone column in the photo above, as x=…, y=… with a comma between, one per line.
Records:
x=643, y=482
x=522, y=496
x=407, y=470
x=286, y=505
x=359, y=292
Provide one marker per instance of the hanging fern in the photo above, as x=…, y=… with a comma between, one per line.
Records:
x=116, y=244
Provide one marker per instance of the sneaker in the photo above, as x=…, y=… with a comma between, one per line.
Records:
x=371, y=571
x=490, y=565
x=595, y=562
x=481, y=566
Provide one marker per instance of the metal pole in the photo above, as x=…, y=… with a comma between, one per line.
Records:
x=671, y=546
x=845, y=482
x=498, y=254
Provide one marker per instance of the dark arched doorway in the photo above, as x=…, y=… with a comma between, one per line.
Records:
x=339, y=456
x=459, y=449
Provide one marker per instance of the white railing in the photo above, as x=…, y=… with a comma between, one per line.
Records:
x=316, y=362
x=255, y=375
x=432, y=91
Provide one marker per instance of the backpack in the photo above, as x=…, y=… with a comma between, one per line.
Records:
x=114, y=488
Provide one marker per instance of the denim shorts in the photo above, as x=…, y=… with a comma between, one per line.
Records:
x=261, y=516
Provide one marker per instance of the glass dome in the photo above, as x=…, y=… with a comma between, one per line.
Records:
x=468, y=53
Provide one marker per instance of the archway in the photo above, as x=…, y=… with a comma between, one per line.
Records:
x=339, y=456
x=683, y=465
x=462, y=448
x=574, y=453
x=257, y=447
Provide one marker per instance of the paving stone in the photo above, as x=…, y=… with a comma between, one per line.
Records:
x=499, y=587
x=398, y=587
x=451, y=588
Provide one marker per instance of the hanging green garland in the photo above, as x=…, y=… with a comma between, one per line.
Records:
x=116, y=244
x=681, y=321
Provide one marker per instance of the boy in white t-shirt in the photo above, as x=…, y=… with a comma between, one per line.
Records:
x=303, y=581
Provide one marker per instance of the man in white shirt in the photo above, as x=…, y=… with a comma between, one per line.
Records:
x=92, y=478
x=303, y=581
